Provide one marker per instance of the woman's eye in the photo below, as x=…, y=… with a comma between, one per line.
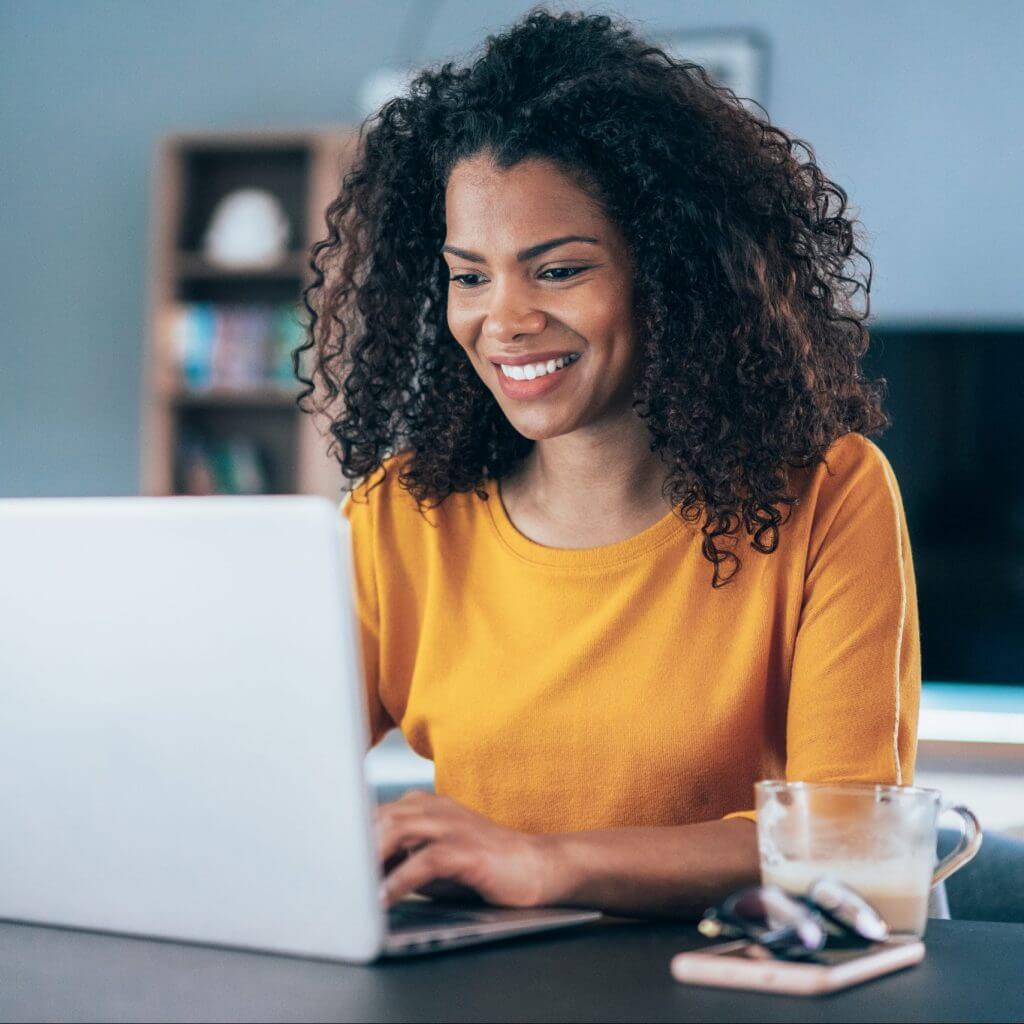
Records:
x=566, y=274
x=568, y=271
x=461, y=279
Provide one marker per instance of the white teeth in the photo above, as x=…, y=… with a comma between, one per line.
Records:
x=534, y=370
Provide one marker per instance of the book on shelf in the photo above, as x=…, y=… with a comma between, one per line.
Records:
x=235, y=346
x=232, y=466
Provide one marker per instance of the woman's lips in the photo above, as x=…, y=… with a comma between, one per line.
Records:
x=533, y=388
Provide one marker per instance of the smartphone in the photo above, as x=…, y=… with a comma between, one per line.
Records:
x=746, y=965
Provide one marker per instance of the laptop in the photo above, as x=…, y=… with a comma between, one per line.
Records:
x=182, y=732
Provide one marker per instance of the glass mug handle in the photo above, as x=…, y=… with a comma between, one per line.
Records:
x=966, y=848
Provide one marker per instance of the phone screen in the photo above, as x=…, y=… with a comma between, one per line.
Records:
x=828, y=957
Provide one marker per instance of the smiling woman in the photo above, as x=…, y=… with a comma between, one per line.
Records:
x=580, y=320
x=570, y=296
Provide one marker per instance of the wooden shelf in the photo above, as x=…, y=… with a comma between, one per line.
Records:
x=194, y=171
x=267, y=396
x=194, y=266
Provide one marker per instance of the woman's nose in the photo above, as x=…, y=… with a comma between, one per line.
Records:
x=511, y=314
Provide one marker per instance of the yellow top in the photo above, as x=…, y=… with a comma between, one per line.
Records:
x=566, y=689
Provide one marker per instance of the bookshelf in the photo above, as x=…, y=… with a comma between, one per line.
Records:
x=218, y=393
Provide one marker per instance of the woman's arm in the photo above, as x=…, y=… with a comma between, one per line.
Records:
x=667, y=871
x=444, y=849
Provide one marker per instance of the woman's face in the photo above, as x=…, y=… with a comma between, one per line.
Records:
x=538, y=272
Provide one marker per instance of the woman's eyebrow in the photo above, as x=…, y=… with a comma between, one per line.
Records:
x=523, y=254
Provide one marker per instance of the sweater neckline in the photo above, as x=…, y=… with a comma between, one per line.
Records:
x=654, y=536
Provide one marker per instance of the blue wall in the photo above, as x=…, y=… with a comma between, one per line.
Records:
x=912, y=107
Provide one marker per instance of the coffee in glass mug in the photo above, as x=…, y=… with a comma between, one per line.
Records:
x=878, y=839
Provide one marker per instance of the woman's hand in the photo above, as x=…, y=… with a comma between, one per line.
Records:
x=431, y=843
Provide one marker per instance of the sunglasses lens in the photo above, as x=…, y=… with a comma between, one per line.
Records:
x=849, y=908
x=791, y=913
x=772, y=915
x=748, y=907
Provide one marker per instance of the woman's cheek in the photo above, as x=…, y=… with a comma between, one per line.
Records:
x=458, y=328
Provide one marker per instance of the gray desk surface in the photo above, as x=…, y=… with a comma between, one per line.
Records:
x=610, y=971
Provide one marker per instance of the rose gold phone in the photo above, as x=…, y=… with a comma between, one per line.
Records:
x=743, y=965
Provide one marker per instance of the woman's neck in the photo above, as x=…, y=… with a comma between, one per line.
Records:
x=588, y=488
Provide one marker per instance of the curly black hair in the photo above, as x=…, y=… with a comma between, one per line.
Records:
x=746, y=290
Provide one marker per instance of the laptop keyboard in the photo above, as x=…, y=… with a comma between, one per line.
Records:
x=414, y=915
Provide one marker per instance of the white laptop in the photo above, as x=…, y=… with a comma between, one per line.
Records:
x=182, y=731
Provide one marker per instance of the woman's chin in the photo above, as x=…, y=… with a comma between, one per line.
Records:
x=541, y=428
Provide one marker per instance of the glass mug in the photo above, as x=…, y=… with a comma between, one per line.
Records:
x=880, y=840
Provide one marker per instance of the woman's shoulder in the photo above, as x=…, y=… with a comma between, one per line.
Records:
x=851, y=462
x=381, y=499
x=377, y=488
x=853, y=485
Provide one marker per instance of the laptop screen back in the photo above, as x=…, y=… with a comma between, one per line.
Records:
x=181, y=722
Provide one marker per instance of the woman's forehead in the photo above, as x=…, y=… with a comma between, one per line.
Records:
x=534, y=183
x=513, y=207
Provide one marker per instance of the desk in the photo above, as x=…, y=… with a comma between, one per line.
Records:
x=609, y=971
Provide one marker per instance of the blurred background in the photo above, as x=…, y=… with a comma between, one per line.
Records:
x=165, y=168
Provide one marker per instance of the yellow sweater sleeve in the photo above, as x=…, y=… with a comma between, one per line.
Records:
x=359, y=531
x=855, y=684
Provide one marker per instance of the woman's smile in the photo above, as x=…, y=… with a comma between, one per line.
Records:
x=536, y=379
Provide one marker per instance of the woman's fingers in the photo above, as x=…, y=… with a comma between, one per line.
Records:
x=433, y=861
x=447, y=891
x=388, y=864
x=396, y=833
x=431, y=843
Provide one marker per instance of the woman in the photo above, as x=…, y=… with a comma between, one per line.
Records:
x=590, y=321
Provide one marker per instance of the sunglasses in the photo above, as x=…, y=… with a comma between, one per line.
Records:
x=797, y=927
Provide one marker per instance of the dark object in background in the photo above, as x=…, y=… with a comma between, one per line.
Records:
x=955, y=446
x=991, y=887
